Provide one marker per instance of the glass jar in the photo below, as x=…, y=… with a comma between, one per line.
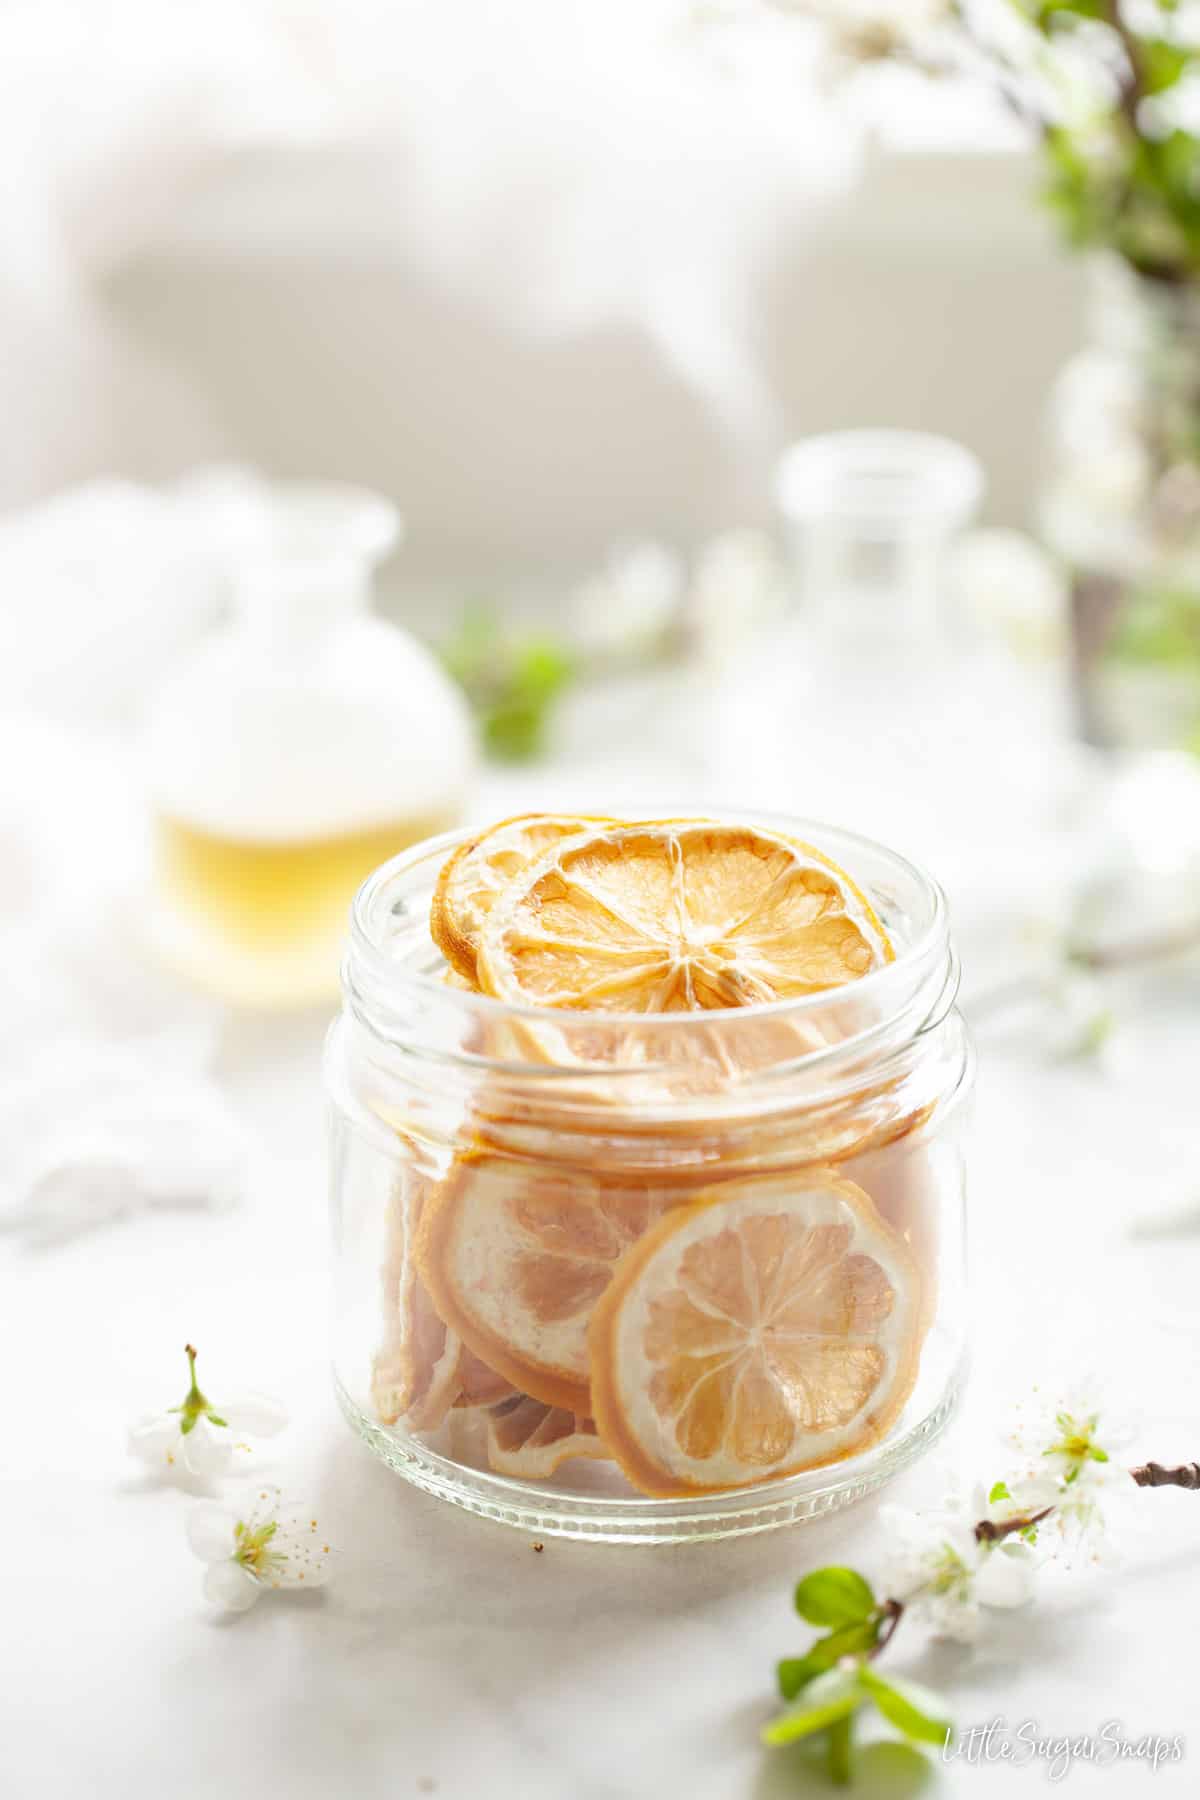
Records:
x=294, y=750
x=507, y=1180
x=1121, y=507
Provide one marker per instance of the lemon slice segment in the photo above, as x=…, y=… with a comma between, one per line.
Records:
x=770, y=1327
x=676, y=917
x=530, y=1440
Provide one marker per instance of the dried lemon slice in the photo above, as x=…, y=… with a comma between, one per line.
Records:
x=530, y=1440
x=676, y=916
x=769, y=1327
x=422, y=1368
x=472, y=877
x=516, y=1257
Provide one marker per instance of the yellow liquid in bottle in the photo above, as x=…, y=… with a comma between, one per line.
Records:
x=263, y=923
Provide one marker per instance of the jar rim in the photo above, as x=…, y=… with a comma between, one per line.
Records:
x=390, y=995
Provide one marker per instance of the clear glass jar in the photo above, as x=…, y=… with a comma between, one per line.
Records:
x=480, y=1150
x=1121, y=507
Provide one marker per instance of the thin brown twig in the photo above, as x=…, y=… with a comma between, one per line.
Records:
x=1152, y=1474
x=889, y=1617
x=1131, y=91
x=1128, y=952
x=990, y=1531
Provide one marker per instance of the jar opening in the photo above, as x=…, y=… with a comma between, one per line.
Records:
x=396, y=996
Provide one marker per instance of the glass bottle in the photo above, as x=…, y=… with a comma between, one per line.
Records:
x=858, y=707
x=299, y=747
x=870, y=516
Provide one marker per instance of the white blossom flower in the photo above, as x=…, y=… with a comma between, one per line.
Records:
x=1017, y=1497
x=198, y=1437
x=268, y=1543
x=1072, y=1437
x=872, y=30
x=1065, y=1429
x=939, y=1568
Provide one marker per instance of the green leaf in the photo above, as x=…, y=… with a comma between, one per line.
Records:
x=1048, y=14
x=832, y=1696
x=1163, y=63
x=840, y=1737
x=912, y=1709
x=795, y=1672
x=834, y=1596
x=512, y=680
x=999, y=1492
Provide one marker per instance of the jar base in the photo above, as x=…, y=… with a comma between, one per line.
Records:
x=607, y=1518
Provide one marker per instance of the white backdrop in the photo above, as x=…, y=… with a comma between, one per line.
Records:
x=549, y=275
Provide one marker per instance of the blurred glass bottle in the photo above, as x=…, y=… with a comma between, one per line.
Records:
x=871, y=515
x=298, y=748
x=883, y=703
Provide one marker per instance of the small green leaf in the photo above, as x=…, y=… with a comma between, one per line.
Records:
x=215, y=1419
x=832, y=1696
x=1097, y=1454
x=999, y=1492
x=795, y=1672
x=1163, y=63
x=910, y=1708
x=834, y=1596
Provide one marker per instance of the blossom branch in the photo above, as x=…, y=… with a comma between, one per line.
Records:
x=977, y=1551
x=1152, y=1474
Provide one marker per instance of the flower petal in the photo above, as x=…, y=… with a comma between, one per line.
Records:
x=260, y=1505
x=301, y=1555
x=154, y=1438
x=210, y=1532
x=207, y=1449
x=952, y=1617
x=1030, y=1494
x=1004, y=1579
x=228, y=1586
x=254, y=1415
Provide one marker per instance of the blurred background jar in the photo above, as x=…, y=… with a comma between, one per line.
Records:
x=294, y=750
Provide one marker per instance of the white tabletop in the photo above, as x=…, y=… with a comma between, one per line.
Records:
x=447, y=1657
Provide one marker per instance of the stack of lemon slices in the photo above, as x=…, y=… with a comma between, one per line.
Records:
x=705, y=1330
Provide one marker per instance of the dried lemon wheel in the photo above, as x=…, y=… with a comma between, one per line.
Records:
x=530, y=1440
x=477, y=871
x=770, y=1327
x=421, y=1368
x=674, y=917
x=516, y=1257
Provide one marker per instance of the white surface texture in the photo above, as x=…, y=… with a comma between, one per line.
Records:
x=448, y=1658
